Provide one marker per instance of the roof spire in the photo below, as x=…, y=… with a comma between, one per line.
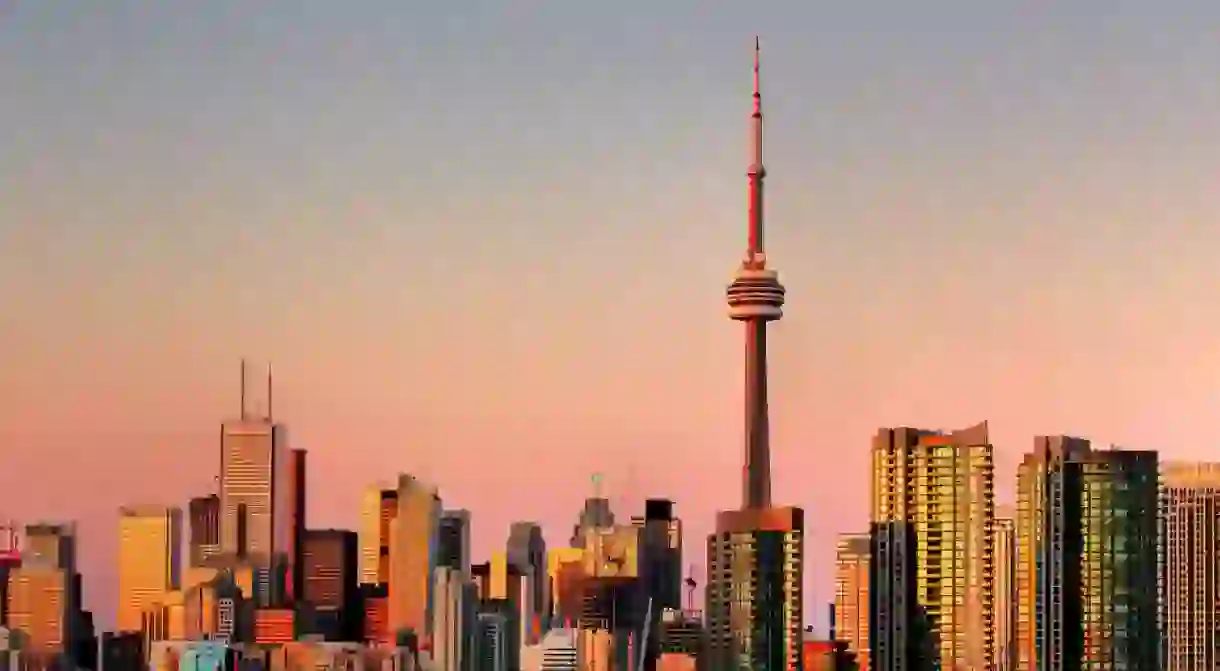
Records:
x=757, y=92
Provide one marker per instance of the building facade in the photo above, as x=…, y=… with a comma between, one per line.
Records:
x=1004, y=591
x=1190, y=566
x=1087, y=557
x=413, y=553
x=378, y=508
x=933, y=496
x=853, y=560
x=150, y=561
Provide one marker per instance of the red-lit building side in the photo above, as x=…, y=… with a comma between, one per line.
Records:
x=274, y=625
x=376, y=605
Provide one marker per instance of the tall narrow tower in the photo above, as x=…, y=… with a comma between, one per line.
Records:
x=756, y=297
x=756, y=556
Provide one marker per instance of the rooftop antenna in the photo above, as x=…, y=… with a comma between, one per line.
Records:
x=243, y=388
x=269, y=387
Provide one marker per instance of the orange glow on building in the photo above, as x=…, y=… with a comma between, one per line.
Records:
x=274, y=625
x=377, y=618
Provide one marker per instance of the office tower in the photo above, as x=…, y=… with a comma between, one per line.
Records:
x=495, y=651
x=661, y=553
x=850, y=611
x=204, y=512
x=756, y=556
x=453, y=544
x=932, y=495
x=44, y=593
x=1087, y=546
x=150, y=562
x=527, y=549
x=1004, y=588
x=1190, y=565
x=10, y=558
x=378, y=507
x=596, y=514
x=328, y=572
x=257, y=497
x=453, y=620
x=296, y=551
x=374, y=598
x=413, y=537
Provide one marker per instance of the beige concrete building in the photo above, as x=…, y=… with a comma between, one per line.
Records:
x=149, y=563
x=1004, y=592
x=413, y=538
x=933, y=507
x=852, y=562
x=1190, y=504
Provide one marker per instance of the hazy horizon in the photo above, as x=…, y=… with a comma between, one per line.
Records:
x=488, y=243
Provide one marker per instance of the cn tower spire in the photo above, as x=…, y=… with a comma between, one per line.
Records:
x=756, y=297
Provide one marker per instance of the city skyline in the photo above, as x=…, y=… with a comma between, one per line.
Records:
x=116, y=358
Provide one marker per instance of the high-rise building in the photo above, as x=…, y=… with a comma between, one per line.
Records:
x=413, y=541
x=933, y=496
x=378, y=508
x=756, y=556
x=453, y=620
x=852, y=562
x=1087, y=554
x=150, y=561
x=204, y=512
x=296, y=550
x=1004, y=588
x=596, y=514
x=660, y=582
x=527, y=549
x=257, y=498
x=1190, y=565
x=453, y=544
x=44, y=593
x=328, y=571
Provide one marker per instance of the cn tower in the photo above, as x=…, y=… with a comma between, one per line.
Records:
x=756, y=297
x=756, y=555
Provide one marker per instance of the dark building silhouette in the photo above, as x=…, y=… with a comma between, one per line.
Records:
x=296, y=552
x=204, y=521
x=328, y=571
x=122, y=651
x=660, y=563
x=526, y=549
x=453, y=540
x=898, y=632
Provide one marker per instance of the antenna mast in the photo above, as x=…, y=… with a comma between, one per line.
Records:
x=270, y=415
x=243, y=388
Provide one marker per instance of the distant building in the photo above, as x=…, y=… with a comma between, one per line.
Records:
x=560, y=650
x=453, y=621
x=852, y=569
x=204, y=513
x=495, y=650
x=258, y=502
x=44, y=594
x=378, y=508
x=1004, y=591
x=149, y=566
x=1190, y=503
x=595, y=515
x=453, y=543
x=274, y=625
x=1080, y=513
x=376, y=620
x=330, y=587
x=526, y=548
x=413, y=538
x=122, y=651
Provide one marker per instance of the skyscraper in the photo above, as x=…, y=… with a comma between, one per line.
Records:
x=1004, y=589
x=378, y=508
x=328, y=577
x=933, y=498
x=527, y=549
x=204, y=512
x=44, y=593
x=257, y=497
x=1190, y=565
x=150, y=561
x=1087, y=553
x=413, y=545
x=852, y=562
x=756, y=556
x=454, y=542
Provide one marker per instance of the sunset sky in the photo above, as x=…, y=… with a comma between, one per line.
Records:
x=487, y=243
